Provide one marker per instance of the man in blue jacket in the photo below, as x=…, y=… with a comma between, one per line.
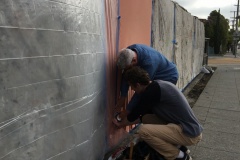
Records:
x=149, y=59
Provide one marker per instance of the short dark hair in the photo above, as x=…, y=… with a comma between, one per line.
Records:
x=136, y=75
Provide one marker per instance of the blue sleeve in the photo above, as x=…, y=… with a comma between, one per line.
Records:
x=138, y=106
x=133, y=102
x=124, y=87
x=135, y=112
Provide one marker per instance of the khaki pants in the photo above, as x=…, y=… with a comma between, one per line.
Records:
x=164, y=138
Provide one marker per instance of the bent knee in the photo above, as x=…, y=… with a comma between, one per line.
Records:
x=144, y=130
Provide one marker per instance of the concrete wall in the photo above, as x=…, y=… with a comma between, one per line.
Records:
x=171, y=23
x=52, y=102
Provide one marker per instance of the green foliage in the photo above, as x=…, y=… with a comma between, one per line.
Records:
x=230, y=36
x=216, y=28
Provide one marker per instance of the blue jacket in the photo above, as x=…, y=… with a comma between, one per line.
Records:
x=157, y=66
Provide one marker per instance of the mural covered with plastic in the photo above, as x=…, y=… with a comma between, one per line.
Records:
x=163, y=28
x=112, y=31
x=180, y=37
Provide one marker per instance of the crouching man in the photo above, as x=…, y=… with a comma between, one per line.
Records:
x=168, y=121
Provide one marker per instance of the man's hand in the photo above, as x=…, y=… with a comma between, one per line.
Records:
x=124, y=122
x=123, y=114
x=120, y=104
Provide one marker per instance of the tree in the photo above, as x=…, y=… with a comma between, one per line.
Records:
x=216, y=29
x=217, y=41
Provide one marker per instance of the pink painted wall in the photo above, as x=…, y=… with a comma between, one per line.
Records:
x=135, y=24
x=111, y=7
x=135, y=27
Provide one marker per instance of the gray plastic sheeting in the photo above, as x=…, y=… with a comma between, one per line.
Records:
x=52, y=101
x=180, y=37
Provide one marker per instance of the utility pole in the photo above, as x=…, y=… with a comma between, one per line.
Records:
x=233, y=48
x=237, y=16
x=233, y=21
x=236, y=31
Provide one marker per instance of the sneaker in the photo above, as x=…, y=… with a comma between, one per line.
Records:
x=185, y=157
x=184, y=149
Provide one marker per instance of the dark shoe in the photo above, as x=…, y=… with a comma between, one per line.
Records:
x=186, y=157
x=184, y=149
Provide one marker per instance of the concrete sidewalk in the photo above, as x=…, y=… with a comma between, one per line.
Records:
x=218, y=109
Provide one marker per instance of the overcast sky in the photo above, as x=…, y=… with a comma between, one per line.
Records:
x=202, y=8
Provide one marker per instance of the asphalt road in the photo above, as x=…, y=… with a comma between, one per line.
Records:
x=227, y=59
